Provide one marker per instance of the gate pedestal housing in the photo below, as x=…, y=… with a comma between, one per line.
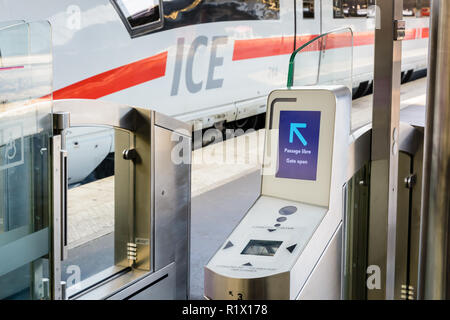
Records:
x=288, y=246
x=152, y=203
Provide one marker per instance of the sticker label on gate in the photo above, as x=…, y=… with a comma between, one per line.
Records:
x=11, y=146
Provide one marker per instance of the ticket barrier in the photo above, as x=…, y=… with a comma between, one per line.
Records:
x=152, y=202
x=148, y=244
x=288, y=246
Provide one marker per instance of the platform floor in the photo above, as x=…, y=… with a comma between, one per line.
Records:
x=214, y=216
x=225, y=183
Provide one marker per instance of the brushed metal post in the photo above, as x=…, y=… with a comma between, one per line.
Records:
x=434, y=279
x=61, y=122
x=385, y=146
x=55, y=253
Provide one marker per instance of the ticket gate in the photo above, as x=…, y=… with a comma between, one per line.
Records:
x=152, y=202
x=150, y=214
x=288, y=246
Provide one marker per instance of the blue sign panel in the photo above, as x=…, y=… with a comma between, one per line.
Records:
x=298, y=145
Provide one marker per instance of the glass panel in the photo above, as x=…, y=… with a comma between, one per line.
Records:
x=356, y=224
x=324, y=60
x=331, y=52
x=4, y=24
x=25, y=162
x=99, y=205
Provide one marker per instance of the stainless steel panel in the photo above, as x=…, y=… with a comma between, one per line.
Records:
x=123, y=197
x=408, y=212
x=162, y=288
x=434, y=256
x=416, y=205
x=359, y=150
x=356, y=221
x=159, y=285
x=324, y=282
x=172, y=124
x=402, y=230
x=97, y=112
x=55, y=252
x=218, y=287
x=156, y=202
x=143, y=197
x=386, y=113
x=411, y=139
x=172, y=204
x=126, y=283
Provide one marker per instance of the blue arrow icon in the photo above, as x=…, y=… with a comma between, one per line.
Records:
x=294, y=129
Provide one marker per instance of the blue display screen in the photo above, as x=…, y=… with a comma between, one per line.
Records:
x=298, y=145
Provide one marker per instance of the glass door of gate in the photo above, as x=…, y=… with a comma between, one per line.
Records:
x=25, y=161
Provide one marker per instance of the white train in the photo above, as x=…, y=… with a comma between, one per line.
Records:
x=202, y=61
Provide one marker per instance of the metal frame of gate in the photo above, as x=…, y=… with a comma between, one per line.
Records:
x=152, y=203
x=357, y=213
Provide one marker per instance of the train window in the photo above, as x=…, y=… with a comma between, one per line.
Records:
x=338, y=11
x=352, y=8
x=140, y=16
x=409, y=8
x=423, y=8
x=308, y=9
x=180, y=13
x=372, y=9
x=358, y=8
x=345, y=8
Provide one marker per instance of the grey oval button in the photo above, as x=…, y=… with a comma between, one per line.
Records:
x=286, y=211
x=277, y=225
x=281, y=219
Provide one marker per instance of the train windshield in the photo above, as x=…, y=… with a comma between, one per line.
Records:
x=140, y=12
x=140, y=16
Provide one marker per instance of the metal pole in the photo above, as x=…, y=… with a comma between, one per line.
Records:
x=384, y=171
x=434, y=267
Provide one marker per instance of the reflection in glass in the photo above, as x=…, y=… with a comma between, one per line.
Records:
x=98, y=205
x=356, y=224
x=331, y=53
x=25, y=169
x=423, y=8
x=409, y=8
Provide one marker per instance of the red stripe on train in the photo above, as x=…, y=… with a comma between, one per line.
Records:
x=11, y=68
x=258, y=48
x=116, y=79
x=425, y=33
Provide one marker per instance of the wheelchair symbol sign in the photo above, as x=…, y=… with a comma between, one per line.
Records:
x=11, y=147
